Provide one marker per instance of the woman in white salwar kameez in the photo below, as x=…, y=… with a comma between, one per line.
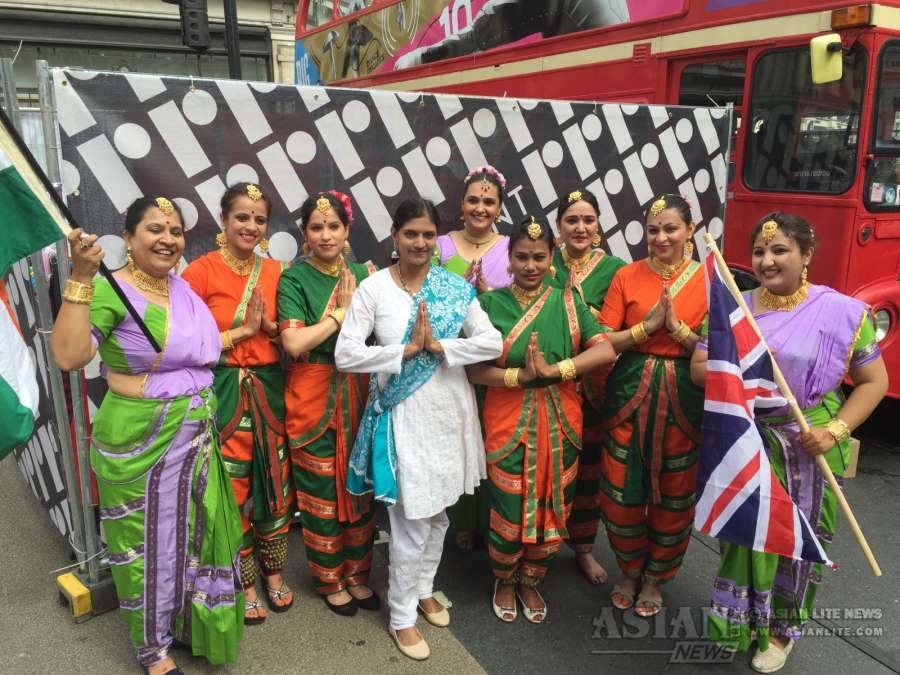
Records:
x=419, y=445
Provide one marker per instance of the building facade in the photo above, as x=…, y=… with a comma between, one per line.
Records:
x=142, y=36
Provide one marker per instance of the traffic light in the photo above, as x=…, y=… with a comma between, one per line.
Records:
x=194, y=23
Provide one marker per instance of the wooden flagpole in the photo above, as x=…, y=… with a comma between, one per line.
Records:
x=31, y=172
x=795, y=408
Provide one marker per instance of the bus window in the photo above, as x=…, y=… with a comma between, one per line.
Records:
x=713, y=84
x=884, y=172
x=716, y=83
x=803, y=137
x=319, y=12
x=346, y=7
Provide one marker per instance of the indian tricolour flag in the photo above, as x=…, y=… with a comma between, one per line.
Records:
x=29, y=220
x=18, y=383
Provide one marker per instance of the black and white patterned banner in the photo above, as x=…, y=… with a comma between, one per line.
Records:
x=126, y=135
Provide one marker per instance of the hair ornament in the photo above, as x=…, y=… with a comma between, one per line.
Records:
x=574, y=196
x=254, y=192
x=323, y=204
x=658, y=206
x=165, y=206
x=534, y=230
x=345, y=202
x=769, y=229
x=489, y=170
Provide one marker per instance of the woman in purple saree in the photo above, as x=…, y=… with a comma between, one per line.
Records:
x=477, y=252
x=170, y=519
x=818, y=336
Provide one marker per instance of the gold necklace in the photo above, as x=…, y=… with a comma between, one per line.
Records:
x=328, y=269
x=240, y=267
x=523, y=296
x=783, y=303
x=149, y=283
x=666, y=271
x=577, y=265
x=478, y=243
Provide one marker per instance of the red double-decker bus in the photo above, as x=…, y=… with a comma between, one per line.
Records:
x=829, y=152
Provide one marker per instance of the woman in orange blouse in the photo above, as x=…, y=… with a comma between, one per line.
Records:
x=652, y=410
x=240, y=289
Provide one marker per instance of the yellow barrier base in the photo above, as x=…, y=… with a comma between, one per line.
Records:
x=75, y=593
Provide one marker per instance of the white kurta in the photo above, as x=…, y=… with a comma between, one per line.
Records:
x=440, y=450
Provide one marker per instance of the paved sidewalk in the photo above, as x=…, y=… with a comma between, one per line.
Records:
x=40, y=637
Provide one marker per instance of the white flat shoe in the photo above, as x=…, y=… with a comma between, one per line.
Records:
x=418, y=652
x=503, y=612
x=772, y=659
x=440, y=619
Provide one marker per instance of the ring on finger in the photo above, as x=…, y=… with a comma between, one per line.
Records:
x=83, y=246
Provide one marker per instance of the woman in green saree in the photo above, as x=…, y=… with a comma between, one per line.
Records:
x=580, y=264
x=532, y=418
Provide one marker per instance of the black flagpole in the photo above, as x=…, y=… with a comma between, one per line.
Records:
x=64, y=210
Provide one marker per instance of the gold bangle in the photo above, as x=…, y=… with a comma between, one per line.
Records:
x=511, y=378
x=567, y=370
x=338, y=315
x=681, y=333
x=838, y=429
x=639, y=333
x=78, y=293
x=227, y=340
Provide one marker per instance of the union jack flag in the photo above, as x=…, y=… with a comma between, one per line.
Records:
x=741, y=499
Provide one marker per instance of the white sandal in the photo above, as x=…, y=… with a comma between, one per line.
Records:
x=531, y=614
x=503, y=612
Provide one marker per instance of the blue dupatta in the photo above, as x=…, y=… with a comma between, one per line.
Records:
x=373, y=460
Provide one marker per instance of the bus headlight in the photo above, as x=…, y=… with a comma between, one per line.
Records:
x=882, y=324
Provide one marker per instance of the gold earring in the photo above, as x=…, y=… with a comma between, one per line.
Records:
x=306, y=248
x=596, y=240
x=552, y=270
x=220, y=240
x=804, y=274
x=346, y=247
x=689, y=249
x=264, y=245
x=129, y=258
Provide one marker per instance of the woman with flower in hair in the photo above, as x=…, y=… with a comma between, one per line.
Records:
x=324, y=406
x=580, y=264
x=480, y=254
x=239, y=287
x=651, y=412
x=169, y=516
x=477, y=251
x=532, y=418
x=818, y=336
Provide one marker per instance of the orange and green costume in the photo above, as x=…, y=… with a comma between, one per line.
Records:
x=651, y=416
x=323, y=413
x=591, y=282
x=533, y=434
x=249, y=384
